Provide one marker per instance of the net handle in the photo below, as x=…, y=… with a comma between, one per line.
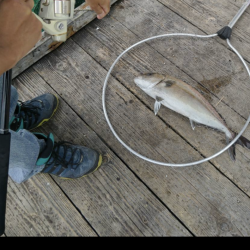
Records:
x=239, y=14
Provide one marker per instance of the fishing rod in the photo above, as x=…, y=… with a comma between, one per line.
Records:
x=5, y=138
x=225, y=33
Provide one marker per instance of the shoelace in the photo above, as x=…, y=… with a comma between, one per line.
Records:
x=61, y=160
x=29, y=112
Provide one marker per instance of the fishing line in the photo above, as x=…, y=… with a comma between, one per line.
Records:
x=225, y=33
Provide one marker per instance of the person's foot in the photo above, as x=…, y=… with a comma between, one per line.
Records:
x=32, y=114
x=66, y=160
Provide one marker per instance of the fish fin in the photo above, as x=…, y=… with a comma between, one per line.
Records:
x=244, y=142
x=157, y=104
x=157, y=107
x=231, y=150
x=193, y=124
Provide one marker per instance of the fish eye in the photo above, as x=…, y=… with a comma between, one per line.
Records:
x=149, y=74
x=169, y=83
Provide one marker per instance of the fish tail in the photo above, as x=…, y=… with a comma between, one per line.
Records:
x=244, y=142
x=231, y=150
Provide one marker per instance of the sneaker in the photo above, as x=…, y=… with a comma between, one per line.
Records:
x=67, y=160
x=32, y=114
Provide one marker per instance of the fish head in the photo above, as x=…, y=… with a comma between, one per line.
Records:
x=147, y=81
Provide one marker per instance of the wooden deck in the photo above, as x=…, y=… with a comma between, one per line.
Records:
x=128, y=196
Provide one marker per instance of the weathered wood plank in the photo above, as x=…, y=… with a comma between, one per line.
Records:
x=39, y=208
x=211, y=16
x=207, y=62
x=201, y=197
x=46, y=45
x=112, y=200
x=146, y=59
x=211, y=207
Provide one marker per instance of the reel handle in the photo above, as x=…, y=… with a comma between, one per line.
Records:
x=56, y=28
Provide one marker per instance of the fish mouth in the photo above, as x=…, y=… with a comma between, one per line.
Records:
x=137, y=80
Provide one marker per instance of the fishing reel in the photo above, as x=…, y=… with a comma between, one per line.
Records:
x=54, y=15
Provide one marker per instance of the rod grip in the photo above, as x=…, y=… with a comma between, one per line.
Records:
x=4, y=169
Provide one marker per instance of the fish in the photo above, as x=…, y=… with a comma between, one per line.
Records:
x=189, y=102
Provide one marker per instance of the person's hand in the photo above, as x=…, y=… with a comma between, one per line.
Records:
x=20, y=30
x=101, y=7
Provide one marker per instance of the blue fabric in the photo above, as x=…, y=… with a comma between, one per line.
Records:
x=25, y=147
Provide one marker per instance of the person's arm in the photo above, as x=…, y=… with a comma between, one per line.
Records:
x=101, y=7
x=19, y=31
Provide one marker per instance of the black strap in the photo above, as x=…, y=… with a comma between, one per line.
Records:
x=4, y=169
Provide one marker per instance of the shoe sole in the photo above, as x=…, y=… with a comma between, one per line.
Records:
x=46, y=120
x=98, y=166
